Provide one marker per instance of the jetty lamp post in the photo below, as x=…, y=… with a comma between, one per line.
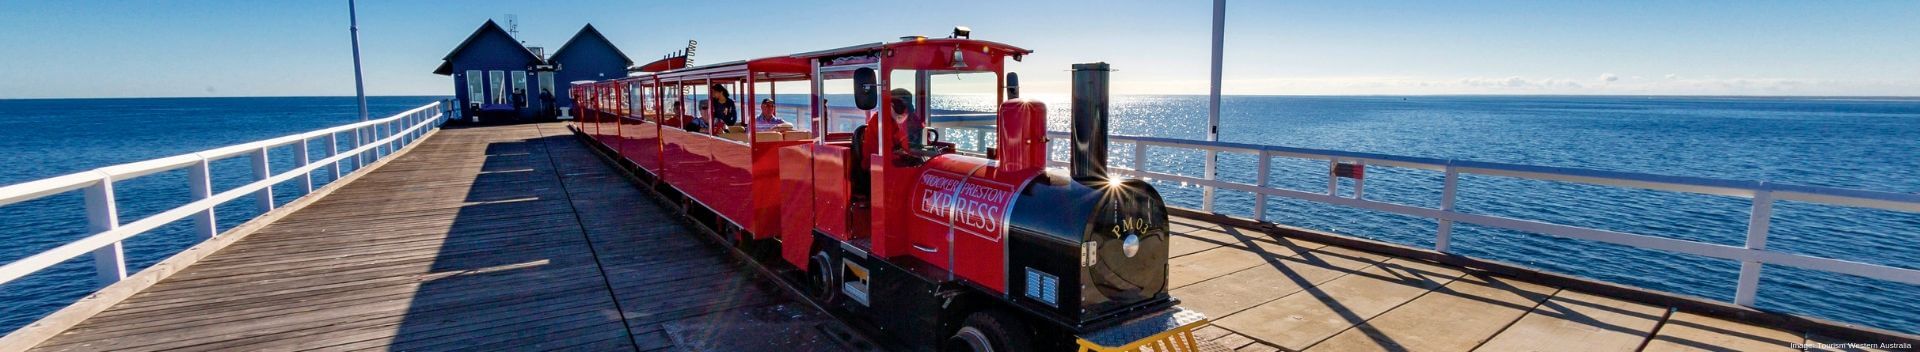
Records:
x=359, y=83
x=1213, y=102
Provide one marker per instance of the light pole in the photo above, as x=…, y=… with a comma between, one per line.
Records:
x=359, y=84
x=1213, y=98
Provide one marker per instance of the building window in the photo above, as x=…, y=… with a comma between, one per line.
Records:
x=546, y=85
x=498, y=80
x=520, y=88
x=476, y=88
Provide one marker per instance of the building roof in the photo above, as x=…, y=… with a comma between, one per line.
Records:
x=589, y=33
x=446, y=63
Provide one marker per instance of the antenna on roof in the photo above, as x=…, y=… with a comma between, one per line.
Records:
x=513, y=25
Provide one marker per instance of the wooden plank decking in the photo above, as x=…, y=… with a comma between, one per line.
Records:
x=519, y=238
x=1268, y=293
x=495, y=238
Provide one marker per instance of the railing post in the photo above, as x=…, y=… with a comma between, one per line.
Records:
x=1360, y=183
x=200, y=184
x=392, y=132
x=1260, y=198
x=264, y=197
x=1140, y=160
x=109, y=262
x=1333, y=177
x=359, y=139
x=379, y=133
x=1757, y=223
x=333, y=148
x=300, y=159
x=1443, y=239
x=394, y=128
x=407, y=125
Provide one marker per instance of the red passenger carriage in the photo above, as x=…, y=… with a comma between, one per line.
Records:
x=942, y=225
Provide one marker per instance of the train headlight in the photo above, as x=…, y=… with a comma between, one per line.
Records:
x=1131, y=245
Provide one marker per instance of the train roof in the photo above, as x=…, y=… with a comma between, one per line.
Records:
x=801, y=63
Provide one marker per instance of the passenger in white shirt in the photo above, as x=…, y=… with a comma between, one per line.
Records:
x=766, y=121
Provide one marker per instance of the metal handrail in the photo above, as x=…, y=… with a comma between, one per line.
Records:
x=1751, y=256
x=103, y=223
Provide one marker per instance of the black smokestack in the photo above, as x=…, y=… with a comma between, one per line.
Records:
x=1090, y=122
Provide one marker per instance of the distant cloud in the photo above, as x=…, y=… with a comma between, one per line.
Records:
x=1673, y=76
x=1609, y=77
x=1518, y=82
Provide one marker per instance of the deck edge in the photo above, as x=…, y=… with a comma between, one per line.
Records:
x=1686, y=303
x=51, y=325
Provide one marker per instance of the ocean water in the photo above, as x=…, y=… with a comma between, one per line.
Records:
x=1871, y=144
x=46, y=138
x=1854, y=143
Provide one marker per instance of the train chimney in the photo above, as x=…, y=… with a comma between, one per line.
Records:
x=1090, y=122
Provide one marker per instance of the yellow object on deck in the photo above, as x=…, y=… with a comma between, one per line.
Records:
x=1165, y=332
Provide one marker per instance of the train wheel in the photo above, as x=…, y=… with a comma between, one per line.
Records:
x=823, y=274
x=991, y=331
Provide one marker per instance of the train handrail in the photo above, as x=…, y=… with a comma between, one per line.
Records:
x=1751, y=255
x=105, y=231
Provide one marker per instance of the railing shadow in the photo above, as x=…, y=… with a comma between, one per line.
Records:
x=524, y=274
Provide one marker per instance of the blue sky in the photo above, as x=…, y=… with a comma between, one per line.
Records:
x=252, y=48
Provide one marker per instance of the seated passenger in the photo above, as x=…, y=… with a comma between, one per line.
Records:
x=767, y=121
x=690, y=123
x=722, y=109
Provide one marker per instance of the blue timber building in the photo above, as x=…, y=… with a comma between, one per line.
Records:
x=588, y=56
x=498, y=79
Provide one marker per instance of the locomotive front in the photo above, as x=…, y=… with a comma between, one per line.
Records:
x=1091, y=250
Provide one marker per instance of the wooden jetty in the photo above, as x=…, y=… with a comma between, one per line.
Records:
x=521, y=238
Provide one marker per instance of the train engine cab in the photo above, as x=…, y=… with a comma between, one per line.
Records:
x=947, y=206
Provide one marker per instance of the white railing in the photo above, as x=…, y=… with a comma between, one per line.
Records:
x=105, y=231
x=1750, y=256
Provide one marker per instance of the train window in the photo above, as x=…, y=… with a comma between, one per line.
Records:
x=789, y=104
x=836, y=104
x=647, y=104
x=677, y=106
x=962, y=106
x=633, y=99
x=696, y=97
x=790, y=101
x=729, y=124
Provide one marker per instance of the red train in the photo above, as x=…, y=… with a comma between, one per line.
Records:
x=942, y=227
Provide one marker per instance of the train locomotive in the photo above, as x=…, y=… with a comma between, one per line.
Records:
x=944, y=228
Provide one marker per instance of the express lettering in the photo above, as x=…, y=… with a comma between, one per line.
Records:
x=976, y=208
